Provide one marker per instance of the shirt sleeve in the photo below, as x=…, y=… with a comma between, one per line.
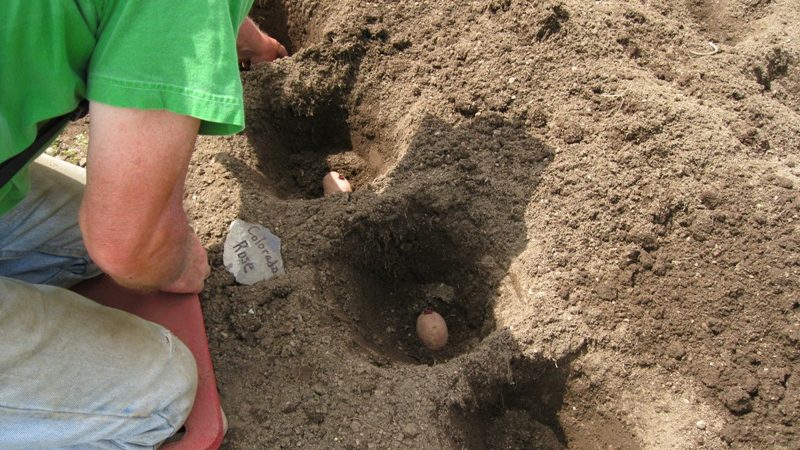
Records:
x=178, y=56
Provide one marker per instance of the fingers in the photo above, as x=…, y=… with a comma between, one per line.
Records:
x=273, y=50
x=282, y=53
x=269, y=50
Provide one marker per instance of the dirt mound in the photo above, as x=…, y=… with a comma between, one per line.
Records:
x=602, y=205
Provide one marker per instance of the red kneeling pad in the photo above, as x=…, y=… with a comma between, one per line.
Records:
x=182, y=315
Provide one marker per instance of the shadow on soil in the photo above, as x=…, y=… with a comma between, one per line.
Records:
x=442, y=234
x=299, y=120
x=296, y=129
x=510, y=401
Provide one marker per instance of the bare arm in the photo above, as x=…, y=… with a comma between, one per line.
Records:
x=132, y=215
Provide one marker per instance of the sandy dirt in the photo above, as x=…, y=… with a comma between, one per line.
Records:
x=601, y=204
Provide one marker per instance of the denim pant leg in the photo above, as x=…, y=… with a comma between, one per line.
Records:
x=74, y=374
x=78, y=375
x=40, y=241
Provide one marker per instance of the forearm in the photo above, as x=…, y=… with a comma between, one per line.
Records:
x=132, y=216
x=165, y=249
x=146, y=255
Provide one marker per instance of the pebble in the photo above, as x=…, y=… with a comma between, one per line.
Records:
x=318, y=389
x=410, y=430
x=290, y=406
x=701, y=424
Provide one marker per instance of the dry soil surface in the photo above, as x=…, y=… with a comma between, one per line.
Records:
x=600, y=197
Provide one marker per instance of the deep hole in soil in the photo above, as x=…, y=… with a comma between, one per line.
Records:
x=299, y=118
x=396, y=267
x=518, y=413
x=297, y=144
x=446, y=243
x=296, y=151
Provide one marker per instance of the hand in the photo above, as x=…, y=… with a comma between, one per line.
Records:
x=255, y=46
x=195, y=272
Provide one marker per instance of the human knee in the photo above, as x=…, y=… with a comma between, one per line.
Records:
x=171, y=394
x=183, y=384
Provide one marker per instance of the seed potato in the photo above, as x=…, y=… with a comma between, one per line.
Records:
x=432, y=330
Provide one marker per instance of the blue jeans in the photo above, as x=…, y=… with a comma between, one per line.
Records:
x=75, y=374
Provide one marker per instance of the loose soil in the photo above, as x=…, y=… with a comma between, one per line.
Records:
x=602, y=206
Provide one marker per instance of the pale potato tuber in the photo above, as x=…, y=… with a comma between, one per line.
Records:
x=335, y=183
x=432, y=329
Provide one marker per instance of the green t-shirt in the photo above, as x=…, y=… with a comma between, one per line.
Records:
x=175, y=55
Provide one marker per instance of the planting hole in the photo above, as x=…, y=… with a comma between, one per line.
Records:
x=391, y=270
x=299, y=112
x=520, y=412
